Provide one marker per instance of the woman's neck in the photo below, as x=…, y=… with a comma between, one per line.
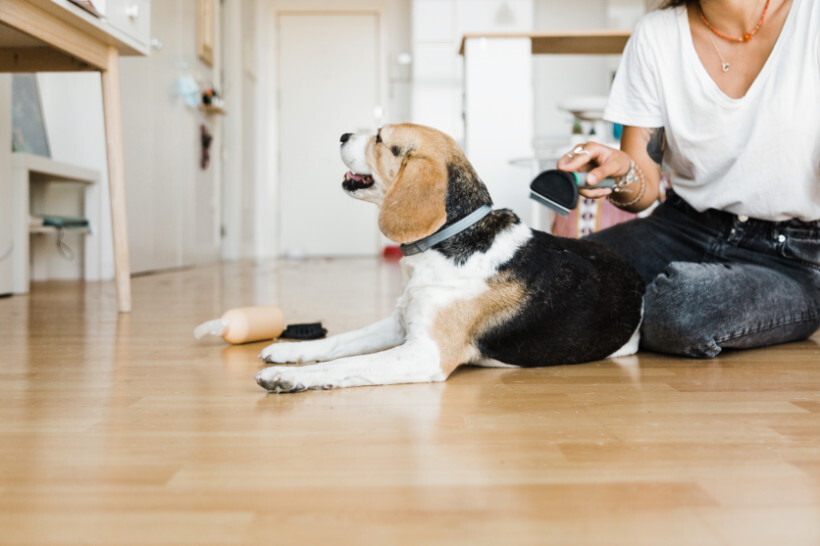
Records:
x=734, y=17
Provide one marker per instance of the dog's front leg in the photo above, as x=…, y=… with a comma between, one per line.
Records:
x=378, y=336
x=417, y=361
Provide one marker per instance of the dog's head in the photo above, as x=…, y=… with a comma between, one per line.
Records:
x=419, y=177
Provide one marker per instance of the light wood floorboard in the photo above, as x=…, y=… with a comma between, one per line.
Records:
x=122, y=429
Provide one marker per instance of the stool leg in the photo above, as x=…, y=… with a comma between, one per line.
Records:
x=116, y=177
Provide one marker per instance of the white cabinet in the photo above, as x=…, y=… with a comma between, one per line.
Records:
x=132, y=17
x=126, y=23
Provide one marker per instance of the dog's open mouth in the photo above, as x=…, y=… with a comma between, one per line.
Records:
x=355, y=181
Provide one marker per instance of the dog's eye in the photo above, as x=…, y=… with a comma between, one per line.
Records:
x=395, y=150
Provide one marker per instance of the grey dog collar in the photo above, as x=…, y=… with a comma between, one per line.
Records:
x=421, y=245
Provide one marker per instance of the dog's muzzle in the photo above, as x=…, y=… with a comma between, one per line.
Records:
x=353, y=154
x=353, y=181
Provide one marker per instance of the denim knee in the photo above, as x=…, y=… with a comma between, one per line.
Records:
x=697, y=309
x=676, y=307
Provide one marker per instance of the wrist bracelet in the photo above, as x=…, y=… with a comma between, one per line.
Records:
x=621, y=182
x=634, y=173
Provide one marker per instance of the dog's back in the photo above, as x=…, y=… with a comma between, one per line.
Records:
x=581, y=302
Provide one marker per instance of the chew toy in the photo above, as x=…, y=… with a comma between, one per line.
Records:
x=264, y=322
x=245, y=324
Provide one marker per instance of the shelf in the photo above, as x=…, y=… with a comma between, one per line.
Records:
x=52, y=170
x=45, y=230
x=582, y=42
x=211, y=109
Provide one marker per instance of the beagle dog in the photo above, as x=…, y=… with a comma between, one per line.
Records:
x=481, y=287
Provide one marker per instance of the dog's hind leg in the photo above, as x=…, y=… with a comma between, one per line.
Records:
x=414, y=362
x=378, y=336
x=631, y=346
x=491, y=363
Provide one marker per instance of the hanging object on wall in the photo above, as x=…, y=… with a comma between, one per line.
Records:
x=210, y=97
x=188, y=90
x=205, y=31
x=205, y=138
x=212, y=103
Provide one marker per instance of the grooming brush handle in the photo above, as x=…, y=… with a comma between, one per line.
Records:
x=580, y=181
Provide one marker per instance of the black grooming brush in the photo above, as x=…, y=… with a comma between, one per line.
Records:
x=313, y=330
x=558, y=190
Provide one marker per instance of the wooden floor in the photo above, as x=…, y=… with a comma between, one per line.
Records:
x=122, y=429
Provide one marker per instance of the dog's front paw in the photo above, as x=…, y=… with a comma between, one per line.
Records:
x=284, y=353
x=284, y=380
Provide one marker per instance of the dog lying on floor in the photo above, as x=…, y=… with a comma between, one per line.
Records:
x=482, y=288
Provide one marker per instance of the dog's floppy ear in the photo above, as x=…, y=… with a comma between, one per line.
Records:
x=414, y=205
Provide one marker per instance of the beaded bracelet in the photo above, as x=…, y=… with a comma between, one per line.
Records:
x=635, y=173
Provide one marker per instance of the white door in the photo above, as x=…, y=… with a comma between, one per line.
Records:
x=328, y=74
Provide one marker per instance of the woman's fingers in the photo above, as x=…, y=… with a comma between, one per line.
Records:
x=580, y=159
x=598, y=161
x=595, y=193
x=587, y=157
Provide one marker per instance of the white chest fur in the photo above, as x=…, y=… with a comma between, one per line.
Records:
x=435, y=282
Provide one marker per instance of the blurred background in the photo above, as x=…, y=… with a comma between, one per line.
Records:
x=232, y=122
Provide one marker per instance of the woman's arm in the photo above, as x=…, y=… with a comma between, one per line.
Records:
x=641, y=145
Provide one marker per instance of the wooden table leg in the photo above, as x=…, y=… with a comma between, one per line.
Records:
x=112, y=105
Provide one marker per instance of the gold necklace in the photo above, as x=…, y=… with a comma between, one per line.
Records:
x=724, y=64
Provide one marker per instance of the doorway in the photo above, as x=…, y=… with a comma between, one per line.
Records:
x=328, y=85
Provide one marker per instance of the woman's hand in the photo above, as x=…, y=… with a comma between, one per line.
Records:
x=599, y=161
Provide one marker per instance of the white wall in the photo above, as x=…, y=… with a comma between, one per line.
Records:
x=73, y=114
x=246, y=222
x=232, y=85
x=438, y=75
x=438, y=69
x=6, y=239
x=173, y=205
x=557, y=77
x=250, y=119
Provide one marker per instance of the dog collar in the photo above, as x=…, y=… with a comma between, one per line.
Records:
x=421, y=245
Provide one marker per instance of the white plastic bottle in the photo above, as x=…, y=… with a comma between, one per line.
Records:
x=245, y=324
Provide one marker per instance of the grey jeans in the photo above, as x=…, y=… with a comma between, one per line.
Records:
x=719, y=281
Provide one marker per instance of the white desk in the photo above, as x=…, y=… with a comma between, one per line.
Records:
x=56, y=35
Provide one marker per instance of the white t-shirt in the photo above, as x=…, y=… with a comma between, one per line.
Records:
x=758, y=155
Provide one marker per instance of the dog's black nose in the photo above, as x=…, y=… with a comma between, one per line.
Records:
x=346, y=137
